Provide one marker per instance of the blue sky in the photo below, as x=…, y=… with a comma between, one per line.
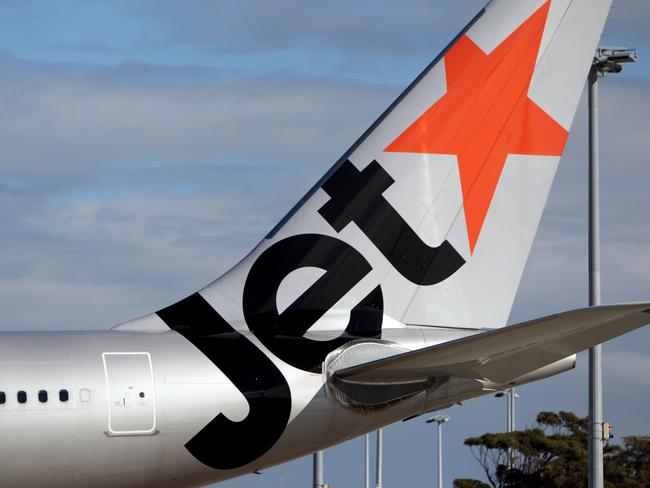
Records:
x=148, y=146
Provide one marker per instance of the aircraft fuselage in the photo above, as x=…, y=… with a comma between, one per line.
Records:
x=121, y=406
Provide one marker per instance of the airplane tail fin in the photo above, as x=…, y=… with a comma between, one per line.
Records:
x=430, y=216
x=428, y=220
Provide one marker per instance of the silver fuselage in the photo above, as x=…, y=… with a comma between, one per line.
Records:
x=135, y=399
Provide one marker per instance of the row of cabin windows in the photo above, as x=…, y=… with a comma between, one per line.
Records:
x=21, y=396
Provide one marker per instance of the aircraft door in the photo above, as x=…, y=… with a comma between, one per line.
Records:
x=130, y=393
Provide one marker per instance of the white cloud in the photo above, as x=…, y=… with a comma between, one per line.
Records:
x=261, y=26
x=69, y=119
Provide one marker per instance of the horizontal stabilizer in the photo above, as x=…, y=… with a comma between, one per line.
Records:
x=504, y=354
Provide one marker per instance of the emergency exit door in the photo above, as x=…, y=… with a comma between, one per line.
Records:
x=130, y=392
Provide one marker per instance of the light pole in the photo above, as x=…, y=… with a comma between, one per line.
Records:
x=366, y=459
x=511, y=425
x=511, y=396
x=318, y=470
x=510, y=404
x=380, y=454
x=439, y=419
x=606, y=60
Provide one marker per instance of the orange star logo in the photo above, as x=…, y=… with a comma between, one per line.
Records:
x=486, y=115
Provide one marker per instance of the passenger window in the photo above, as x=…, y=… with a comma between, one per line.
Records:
x=84, y=395
x=3, y=398
x=63, y=395
x=22, y=397
x=42, y=396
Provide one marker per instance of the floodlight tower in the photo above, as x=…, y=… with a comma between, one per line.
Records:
x=606, y=60
x=439, y=419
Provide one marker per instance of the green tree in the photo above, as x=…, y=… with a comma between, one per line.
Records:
x=468, y=483
x=554, y=454
x=629, y=465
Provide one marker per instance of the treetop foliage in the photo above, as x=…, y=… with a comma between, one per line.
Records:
x=554, y=454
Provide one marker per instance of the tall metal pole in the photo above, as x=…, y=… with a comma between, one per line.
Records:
x=606, y=60
x=380, y=455
x=439, y=419
x=366, y=464
x=508, y=411
x=511, y=399
x=439, y=454
x=596, y=476
x=318, y=470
